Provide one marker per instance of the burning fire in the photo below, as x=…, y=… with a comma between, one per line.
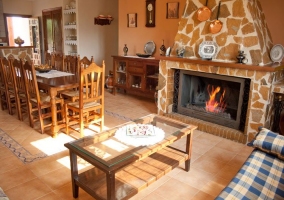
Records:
x=212, y=105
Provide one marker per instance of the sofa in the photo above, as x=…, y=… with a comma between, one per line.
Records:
x=3, y=195
x=261, y=176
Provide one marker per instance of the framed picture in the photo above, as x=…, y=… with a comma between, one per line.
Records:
x=172, y=10
x=132, y=20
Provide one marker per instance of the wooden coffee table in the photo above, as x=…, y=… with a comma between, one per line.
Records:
x=118, y=171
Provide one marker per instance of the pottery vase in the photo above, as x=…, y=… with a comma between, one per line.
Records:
x=125, y=50
x=162, y=49
x=73, y=4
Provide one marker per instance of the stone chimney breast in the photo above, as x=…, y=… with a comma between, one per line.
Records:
x=244, y=28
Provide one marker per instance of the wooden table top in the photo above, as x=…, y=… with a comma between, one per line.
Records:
x=58, y=82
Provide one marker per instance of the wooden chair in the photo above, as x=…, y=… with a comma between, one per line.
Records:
x=20, y=89
x=58, y=62
x=89, y=109
x=73, y=95
x=48, y=59
x=3, y=95
x=39, y=102
x=9, y=86
x=71, y=64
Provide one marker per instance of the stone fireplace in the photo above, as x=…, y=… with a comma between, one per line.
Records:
x=244, y=28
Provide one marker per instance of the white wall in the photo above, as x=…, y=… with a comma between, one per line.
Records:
x=39, y=5
x=96, y=40
x=17, y=7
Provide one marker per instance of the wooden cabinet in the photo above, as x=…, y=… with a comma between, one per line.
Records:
x=138, y=76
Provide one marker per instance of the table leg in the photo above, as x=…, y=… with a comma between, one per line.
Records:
x=54, y=127
x=110, y=186
x=188, y=150
x=74, y=173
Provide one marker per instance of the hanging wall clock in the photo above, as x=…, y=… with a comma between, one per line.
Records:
x=150, y=13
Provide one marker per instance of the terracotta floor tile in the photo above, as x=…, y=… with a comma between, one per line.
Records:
x=230, y=145
x=202, y=196
x=228, y=172
x=238, y=160
x=49, y=196
x=44, y=166
x=9, y=163
x=154, y=196
x=194, y=177
x=184, y=192
x=4, y=153
x=34, y=187
x=145, y=192
x=208, y=164
x=208, y=139
x=52, y=181
x=15, y=177
x=215, y=186
x=220, y=154
x=65, y=193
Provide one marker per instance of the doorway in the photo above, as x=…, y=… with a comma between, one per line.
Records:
x=52, y=30
x=28, y=29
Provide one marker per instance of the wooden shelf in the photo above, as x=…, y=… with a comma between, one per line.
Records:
x=267, y=68
x=100, y=21
x=133, y=178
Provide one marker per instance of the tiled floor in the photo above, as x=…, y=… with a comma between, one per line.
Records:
x=215, y=160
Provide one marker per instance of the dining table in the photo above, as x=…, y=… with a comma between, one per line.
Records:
x=53, y=85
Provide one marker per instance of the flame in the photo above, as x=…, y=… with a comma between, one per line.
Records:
x=212, y=105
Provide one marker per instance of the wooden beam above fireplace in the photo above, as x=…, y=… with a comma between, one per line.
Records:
x=267, y=68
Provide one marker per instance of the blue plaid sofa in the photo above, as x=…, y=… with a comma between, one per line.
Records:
x=261, y=176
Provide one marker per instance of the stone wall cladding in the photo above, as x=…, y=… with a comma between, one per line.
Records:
x=24, y=53
x=244, y=28
x=261, y=95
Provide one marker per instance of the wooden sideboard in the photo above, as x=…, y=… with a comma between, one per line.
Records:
x=135, y=75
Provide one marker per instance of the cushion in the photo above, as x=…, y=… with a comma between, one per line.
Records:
x=3, y=195
x=269, y=142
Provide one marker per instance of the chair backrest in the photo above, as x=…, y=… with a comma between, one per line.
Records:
x=17, y=75
x=71, y=64
x=29, y=75
x=58, y=61
x=7, y=74
x=48, y=59
x=91, y=88
x=84, y=62
x=2, y=79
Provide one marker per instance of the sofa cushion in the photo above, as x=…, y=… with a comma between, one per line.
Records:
x=269, y=142
x=261, y=177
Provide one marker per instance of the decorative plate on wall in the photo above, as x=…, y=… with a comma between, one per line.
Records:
x=207, y=49
x=277, y=53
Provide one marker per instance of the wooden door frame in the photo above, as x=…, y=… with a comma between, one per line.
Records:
x=44, y=12
x=5, y=15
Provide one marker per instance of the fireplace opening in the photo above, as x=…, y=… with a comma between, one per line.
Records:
x=211, y=97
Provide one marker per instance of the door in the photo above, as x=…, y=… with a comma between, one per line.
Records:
x=52, y=28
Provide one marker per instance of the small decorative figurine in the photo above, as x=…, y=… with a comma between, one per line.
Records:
x=162, y=49
x=180, y=52
x=125, y=50
x=242, y=58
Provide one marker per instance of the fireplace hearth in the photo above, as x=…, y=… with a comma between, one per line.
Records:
x=214, y=98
